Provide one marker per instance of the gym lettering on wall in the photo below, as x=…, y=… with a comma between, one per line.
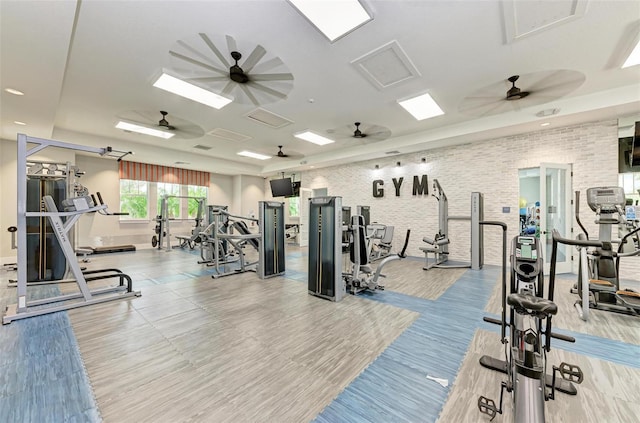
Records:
x=420, y=186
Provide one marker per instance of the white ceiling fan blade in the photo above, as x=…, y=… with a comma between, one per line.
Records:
x=267, y=65
x=266, y=90
x=255, y=56
x=272, y=77
x=214, y=49
x=208, y=78
x=482, y=105
x=197, y=63
x=231, y=43
x=228, y=88
x=194, y=52
x=248, y=93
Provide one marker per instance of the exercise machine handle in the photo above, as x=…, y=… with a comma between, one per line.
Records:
x=577, y=213
x=575, y=242
x=406, y=243
x=102, y=203
x=503, y=330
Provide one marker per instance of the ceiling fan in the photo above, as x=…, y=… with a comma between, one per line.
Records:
x=258, y=79
x=283, y=155
x=181, y=128
x=366, y=132
x=164, y=122
x=514, y=92
x=537, y=88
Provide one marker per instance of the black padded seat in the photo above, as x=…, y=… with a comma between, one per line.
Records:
x=532, y=303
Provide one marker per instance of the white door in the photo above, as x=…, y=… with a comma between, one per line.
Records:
x=556, y=213
x=305, y=194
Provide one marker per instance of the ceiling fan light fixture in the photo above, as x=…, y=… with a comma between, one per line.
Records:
x=334, y=19
x=192, y=92
x=126, y=126
x=253, y=155
x=313, y=138
x=421, y=107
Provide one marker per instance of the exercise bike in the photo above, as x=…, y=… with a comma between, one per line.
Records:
x=530, y=332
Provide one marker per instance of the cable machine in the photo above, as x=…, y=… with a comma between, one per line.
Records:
x=75, y=207
x=224, y=239
x=439, y=244
x=325, y=248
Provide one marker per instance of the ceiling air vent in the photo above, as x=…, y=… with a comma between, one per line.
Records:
x=202, y=147
x=226, y=134
x=265, y=117
x=181, y=163
x=392, y=152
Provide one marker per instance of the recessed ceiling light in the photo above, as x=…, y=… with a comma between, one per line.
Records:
x=17, y=122
x=422, y=107
x=634, y=57
x=190, y=91
x=333, y=18
x=13, y=91
x=126, y=126
x=545, y=124
x=253, y=155
x=312, y=137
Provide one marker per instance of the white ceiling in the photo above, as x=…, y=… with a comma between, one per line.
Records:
x=83, y=64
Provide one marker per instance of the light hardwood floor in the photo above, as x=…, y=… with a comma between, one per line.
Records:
x=240, y=349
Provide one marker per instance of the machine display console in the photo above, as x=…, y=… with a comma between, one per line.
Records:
x=526, y=248
x=606, y=198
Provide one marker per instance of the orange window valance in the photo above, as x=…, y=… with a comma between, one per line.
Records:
x=154, y=173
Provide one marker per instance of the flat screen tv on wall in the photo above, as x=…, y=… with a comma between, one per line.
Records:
x=634, y=158
x=281, y=187
x=296, y=189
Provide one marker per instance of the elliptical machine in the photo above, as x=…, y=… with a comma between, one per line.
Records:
x=530, y=332
x=598, y=273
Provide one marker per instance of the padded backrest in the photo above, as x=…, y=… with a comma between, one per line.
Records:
x=358, y=230
x=244, y=230
x=388, y=236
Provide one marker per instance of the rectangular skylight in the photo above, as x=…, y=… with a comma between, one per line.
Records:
x=314, y=138
x=253, y=155
x=634, y=57
x=190, y=91
x=422, y=107
x=333, y=18
x=126, y=126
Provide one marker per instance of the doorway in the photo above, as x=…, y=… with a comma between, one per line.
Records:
x=545, y=205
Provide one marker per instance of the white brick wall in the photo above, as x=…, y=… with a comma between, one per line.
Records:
x=490, y=167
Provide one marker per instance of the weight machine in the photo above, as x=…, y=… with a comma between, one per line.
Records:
x=439, y=244
x=162, y=229
x=75, y=207
x=325, y=248
x=530, y=332
x=227, y=230
x=361, y=276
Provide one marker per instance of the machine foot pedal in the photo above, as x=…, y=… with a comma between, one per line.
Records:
x=571, y=372
x=487, y=406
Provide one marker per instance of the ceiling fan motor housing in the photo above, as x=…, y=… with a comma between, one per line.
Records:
x=237, y=74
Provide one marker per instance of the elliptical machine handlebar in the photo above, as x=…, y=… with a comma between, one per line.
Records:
x=575, y=242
